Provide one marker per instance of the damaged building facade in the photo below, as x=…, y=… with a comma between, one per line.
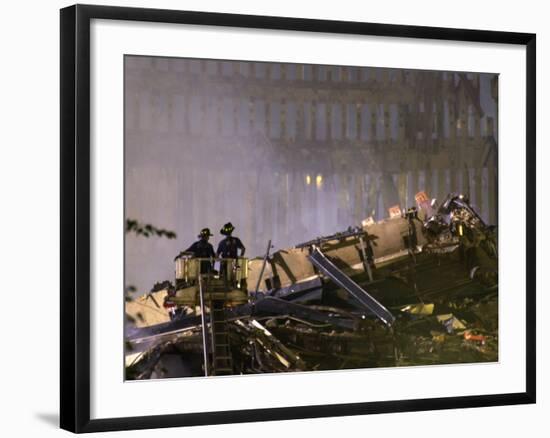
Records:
x=308, y=149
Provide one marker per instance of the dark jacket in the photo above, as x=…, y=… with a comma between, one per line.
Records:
x=228, y=247
x=201, y=248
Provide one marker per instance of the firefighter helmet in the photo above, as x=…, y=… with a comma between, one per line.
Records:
x=227, y=229
x=205, y=232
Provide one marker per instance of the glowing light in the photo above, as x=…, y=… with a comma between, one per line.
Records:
x=308, y=180
x=368, y=221
x=319, y=181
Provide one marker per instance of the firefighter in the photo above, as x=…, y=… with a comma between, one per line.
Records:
x=202, y=249
x=230, y=246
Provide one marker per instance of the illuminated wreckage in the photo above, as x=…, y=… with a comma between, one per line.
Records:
x=419, y=287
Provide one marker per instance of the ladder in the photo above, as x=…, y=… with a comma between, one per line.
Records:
x=221, y=362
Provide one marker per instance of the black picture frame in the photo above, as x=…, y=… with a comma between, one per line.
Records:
x=75, y=217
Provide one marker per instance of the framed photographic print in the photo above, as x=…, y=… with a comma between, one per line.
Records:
x=273, y=218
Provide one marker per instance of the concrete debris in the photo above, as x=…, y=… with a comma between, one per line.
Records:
x=399, y=292
x=450, y=322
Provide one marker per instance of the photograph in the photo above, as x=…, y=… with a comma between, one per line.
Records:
x=286, y=217
x=273, y=220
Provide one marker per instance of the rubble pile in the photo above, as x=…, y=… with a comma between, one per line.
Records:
x=418, y=289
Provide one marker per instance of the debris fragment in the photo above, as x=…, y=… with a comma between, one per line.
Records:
x=451, y=322
x=419, y=309
x=469, y=336
x=390, y=293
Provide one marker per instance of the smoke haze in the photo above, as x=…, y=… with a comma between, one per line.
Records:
x=280, y=151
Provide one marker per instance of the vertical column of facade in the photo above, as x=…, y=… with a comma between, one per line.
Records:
x=268, y=179
x=441, y=184
x=345, y=78
x=440, y=118
x=235, y=69
x=300, y=107
x=428, y=180
x=314, y=76
x=251, y=116
x=203, y=67
x=432, y=133
x=285, y=207
x=477, y=114
x=312, y=201
x=373, y=104
x=402, y=187
x=300, y=117
x=344, y=117
x=343, y=196
x=252, y=70
x=252, y=103
x=284, y=72
x=412, y=115
x=266, y=185
x=453, y=175
x=466, y=187
x=296, y=190
x=478, y=177
x=268, y=109
x=211, y=196
x=384, y=77
x=379, y=212
x=461, y=123
x=401, y=134
x=184, y=199
x=277, y=212
x=328, y=120
x=284, y=131
x=358, y=211
x=169, y=108
x=452, y=121
x=477, y=128
x=358, y=118
x=444, y=99
x=366, y=184
x=386, y=115
x=285, y=106
x=459, y=134
x=412, y=110
x=154, y=109
x=313, y=110
x=235, y=111
x=251, y=181
x=217, y=103
x=413, y=187
x=194, y=194
x=203, y=109
x=187, y=112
